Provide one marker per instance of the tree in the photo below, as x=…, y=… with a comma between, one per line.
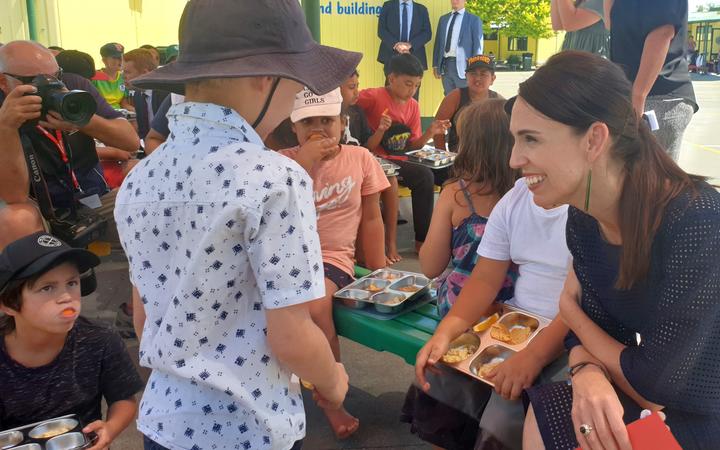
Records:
x=709, y=7
x=514, y=17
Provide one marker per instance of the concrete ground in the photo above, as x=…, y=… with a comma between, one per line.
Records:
x=379, y=380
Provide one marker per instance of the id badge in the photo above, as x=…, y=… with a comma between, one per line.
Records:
x=91, y=201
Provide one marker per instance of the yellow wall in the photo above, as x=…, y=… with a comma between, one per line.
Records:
x=712, y=48
x=359, y=32
x=88, y=24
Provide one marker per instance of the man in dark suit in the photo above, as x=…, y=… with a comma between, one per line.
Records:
x=147, y=102
x=403, y=27
x=459, y=36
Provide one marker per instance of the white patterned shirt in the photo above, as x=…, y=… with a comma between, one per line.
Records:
x=218, y=229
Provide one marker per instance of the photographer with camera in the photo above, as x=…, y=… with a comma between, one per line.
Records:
x=61, y=128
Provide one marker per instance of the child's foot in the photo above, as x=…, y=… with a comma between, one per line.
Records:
x=392, y=256
x=342, y=423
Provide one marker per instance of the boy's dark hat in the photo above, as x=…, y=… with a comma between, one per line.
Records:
x=35, y=254
x=480, y=62
x=244, y=38
x=112, y=50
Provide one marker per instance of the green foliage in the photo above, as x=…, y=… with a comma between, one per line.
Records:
x=514, y=17
x=707, y=8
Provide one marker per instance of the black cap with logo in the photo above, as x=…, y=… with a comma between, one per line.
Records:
x=35, y=254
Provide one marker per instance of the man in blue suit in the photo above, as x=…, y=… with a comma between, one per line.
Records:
x=403, y=27
x=459, y=36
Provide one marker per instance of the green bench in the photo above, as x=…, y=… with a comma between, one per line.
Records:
x=402, y=336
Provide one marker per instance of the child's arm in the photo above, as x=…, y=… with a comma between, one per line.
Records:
x=120, y=414
x=435, y=128
x=474, y=301
x=372, y=232
x=520, y=370
x=374, y=141
x=435, y=252
x=138, y=316
x=113, y=154
x=445, y=112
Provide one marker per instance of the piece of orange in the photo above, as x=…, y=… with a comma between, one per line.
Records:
x=487, y=323
x=307, y=385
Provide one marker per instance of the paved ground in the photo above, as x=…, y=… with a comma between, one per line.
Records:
x=379, y=380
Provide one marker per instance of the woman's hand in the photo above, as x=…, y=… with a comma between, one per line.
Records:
x=515, y=374
x=429, y=355
x=596, y=404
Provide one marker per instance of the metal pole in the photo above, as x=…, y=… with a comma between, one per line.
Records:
x=312, y=17
x=32, y=21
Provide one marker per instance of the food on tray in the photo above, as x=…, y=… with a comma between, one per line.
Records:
x=54, y=432
x=459, y=353
x=374, y=288
x=500, y=332
x=486, y=368
x=411, y=288
x=517, y=334
x=487, y=323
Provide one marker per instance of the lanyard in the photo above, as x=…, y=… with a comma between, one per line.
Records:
x=60, y=145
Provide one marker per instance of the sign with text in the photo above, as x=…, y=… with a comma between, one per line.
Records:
x=350, y=8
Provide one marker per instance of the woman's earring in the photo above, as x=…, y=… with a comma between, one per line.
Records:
x=587, y=190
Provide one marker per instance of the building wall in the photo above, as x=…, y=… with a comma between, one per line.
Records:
x=86, y=25
x=705, y=39
x=350, y=24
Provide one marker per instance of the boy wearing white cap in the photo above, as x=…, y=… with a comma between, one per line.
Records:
x=347, y=183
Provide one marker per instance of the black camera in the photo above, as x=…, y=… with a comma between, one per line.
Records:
x=78, y=227
x=76, y=107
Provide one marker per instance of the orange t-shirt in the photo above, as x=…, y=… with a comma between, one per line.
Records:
x=338, y=187
x=375, y=101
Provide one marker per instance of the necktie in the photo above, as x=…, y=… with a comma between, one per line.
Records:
x=404, y=26
x=448, y=38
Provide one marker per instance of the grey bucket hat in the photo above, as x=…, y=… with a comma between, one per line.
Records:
x=243, y=38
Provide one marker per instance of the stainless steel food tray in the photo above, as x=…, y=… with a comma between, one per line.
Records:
x=431, y=157
x=386, y=290
x=60, y=433
x=490, y=348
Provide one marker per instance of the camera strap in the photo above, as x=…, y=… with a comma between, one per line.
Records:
x=37, y=181
x=60, y=145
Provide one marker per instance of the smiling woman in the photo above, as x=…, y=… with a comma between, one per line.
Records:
x=644, y=239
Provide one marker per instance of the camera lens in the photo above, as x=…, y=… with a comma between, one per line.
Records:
x=76, y=107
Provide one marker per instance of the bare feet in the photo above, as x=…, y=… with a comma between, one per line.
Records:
x=342, y=423
x=418, y=246
x=392, y=256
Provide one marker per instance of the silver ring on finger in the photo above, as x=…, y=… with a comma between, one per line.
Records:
x=585, y=429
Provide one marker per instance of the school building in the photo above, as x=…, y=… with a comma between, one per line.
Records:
x=705, y=28
x=350, y=24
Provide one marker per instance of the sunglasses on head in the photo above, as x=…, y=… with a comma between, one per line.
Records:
x=27, y=79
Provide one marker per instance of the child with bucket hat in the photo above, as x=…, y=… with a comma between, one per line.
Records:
x=52, y=361
x=221, y=235
x=347, y=183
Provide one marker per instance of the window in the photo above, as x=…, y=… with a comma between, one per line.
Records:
x=490, y=36
x=518, y=44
